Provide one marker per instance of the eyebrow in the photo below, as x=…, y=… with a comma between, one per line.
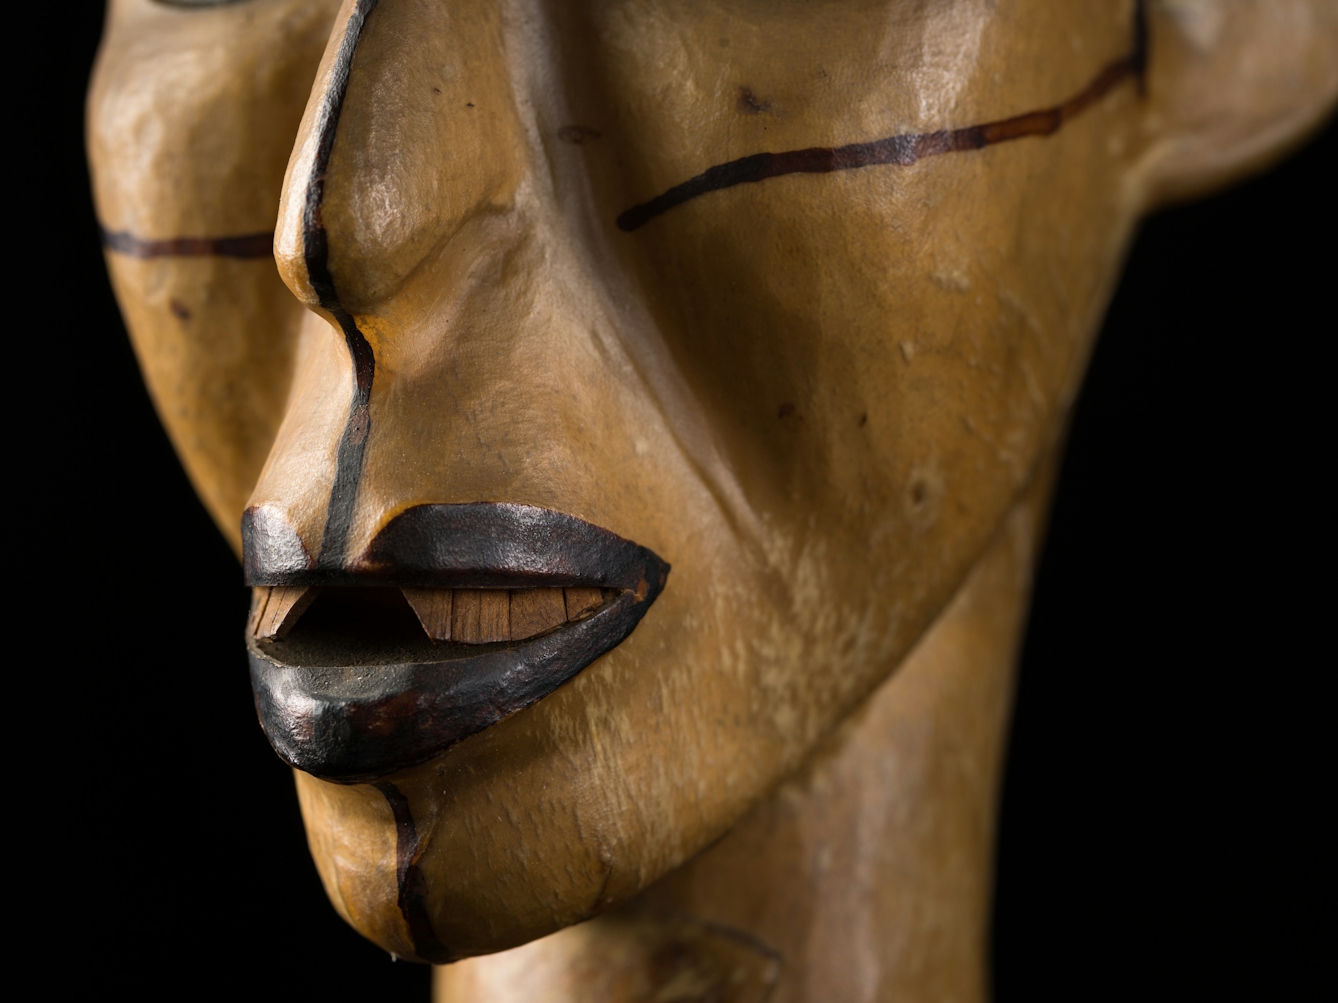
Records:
x=904, y=149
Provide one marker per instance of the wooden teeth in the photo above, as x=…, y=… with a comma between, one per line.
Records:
x=275, y=610
x=433, y=608
x=480, y=616
x=469, y=616
x=535, y=611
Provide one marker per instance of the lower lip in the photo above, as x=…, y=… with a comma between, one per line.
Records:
x=357, y=723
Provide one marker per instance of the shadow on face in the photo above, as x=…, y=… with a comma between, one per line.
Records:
x=790, y=298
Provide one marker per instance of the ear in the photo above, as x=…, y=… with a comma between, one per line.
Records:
x=1232, y=85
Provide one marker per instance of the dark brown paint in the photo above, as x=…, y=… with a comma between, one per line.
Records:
x=410, y=883
x=316, y=253
x=475, y=545
x=903, y=150
x=246, y=245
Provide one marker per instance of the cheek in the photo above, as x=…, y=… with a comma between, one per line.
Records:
x=891, y=336
x=842, y=338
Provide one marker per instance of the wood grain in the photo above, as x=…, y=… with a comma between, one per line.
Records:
x=465, y=616
x=284, y=607
x=494, y=616
x=581, y=600
x=433, y=609
x=259, y=599
x=534, y=611
x=481, y=616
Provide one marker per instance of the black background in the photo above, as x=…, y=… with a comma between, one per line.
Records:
x=1162, y=832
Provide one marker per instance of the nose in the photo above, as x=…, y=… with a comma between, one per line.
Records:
x=411, y=132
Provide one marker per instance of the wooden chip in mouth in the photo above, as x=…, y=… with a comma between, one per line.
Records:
x=276, y=610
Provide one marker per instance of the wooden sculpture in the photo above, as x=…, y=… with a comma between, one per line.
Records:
x=792, y=297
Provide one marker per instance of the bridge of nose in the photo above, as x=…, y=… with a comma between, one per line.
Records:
x=427, y=137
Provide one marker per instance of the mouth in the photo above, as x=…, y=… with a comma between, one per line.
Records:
x=455, y=617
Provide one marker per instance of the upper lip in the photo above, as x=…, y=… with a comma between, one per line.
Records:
x=357, y=722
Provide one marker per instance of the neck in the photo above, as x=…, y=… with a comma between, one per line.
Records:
x=866, y=876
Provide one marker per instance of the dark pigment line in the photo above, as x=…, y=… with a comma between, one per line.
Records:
x=246, y=245
x=409, y=880
x=904, y=149
x=316, y=251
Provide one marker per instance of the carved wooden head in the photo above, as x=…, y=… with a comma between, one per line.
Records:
x=638, y=378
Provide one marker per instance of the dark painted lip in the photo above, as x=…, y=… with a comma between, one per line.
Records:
x=469, y=546
x=357, y=723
